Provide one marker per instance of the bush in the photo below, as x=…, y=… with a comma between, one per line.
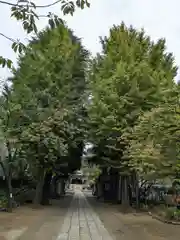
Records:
x=3, y=199
x=173, y=214
x=177, y=215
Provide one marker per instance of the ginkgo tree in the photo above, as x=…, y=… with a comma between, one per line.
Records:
x=47, y=95
x=154, y=149
x=132, y=76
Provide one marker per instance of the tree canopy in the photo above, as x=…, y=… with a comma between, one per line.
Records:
x=44, y=107
x=124, y=102
x=131, y=78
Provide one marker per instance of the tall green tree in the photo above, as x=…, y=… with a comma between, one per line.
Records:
x=131, y=76
x=154, y=146
x=48, y=90
x=9, y=143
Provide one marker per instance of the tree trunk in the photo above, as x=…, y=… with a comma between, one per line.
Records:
x=125, y=195
x=59, y=187
x=9, y=187
x=64, y=186
x=53, y=188
x=10, y=194
x=39, y=188
x=119, y=189
x=137, y=192
x=46, y=188
x=99, y=189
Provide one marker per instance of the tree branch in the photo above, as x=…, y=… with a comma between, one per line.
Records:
x=13, y=40
x=8, y=38
x=37, y=6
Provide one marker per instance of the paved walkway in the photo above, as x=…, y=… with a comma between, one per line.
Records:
x=81, y=222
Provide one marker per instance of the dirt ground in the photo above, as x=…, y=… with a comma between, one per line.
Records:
x=26, y=223
x=132, y=226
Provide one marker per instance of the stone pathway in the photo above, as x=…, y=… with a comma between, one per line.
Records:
x=81, y=222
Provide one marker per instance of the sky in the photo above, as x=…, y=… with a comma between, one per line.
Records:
x=159, y=18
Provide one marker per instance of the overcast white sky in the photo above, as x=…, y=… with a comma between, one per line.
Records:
x=158, y=17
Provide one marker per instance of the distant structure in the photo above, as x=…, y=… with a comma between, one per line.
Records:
x=78, y=178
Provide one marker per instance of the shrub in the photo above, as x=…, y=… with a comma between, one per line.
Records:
x=3, y=199
x=172, y=213
x=177, y=215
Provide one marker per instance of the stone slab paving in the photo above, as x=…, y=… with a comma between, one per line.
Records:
x=81, y=222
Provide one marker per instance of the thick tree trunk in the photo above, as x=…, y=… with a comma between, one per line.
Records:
x=119, y=189
x=137, y=192
x=59, y=187
x=114, y=185
x=53, y=188
x=39, y=187
x=63, y=187
x=10, y=195
x=99, y=189
x=125, y=194
x=46, y=188
x=9, y=187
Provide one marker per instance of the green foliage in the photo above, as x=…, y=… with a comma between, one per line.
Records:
x=5, y=62
x=132, y=77
x=172, y=214
x=92, y=172
x=3, y=201
x=42, y=113
x=154, y=146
